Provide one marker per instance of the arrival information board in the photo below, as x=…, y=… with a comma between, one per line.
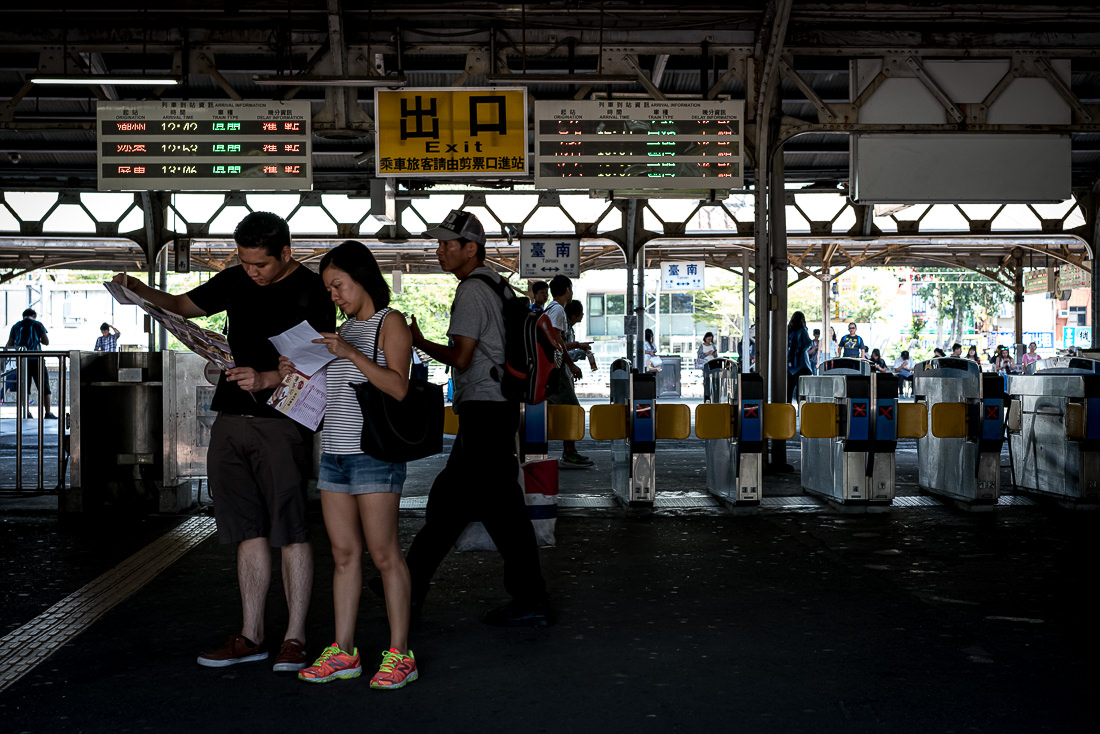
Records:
x=639, y=144
x=203, y=146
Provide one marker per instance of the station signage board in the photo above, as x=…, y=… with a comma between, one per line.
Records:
x=1071, y=276
x=478, y=132
x=639, y=144
x=685, y=276
x=1039, y=280
x=542, y=259
x=203, y=145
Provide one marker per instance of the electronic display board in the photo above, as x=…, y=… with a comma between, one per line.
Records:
x=200, y=145
x=455, y=132
x=639, y=144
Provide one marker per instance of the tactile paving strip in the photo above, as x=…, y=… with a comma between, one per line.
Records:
x=24, y=648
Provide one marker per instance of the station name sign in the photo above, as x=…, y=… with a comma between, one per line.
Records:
x=203, y=146
x=454, y=132
x=639, y=144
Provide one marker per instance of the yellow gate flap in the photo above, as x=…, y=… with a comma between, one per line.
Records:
x=450, y=421
x=565, y=422
x=779, y=421
x=607, y=422
x=673, y=421
x=949, y=420
x=819, y=420
x=713, y=420
x=912, y=420
x=1075, y=420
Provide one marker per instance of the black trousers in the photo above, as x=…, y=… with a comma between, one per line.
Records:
x=480, y=483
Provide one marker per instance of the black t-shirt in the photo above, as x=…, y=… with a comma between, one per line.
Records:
x=254, y=313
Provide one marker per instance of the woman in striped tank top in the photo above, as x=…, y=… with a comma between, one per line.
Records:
x=360, y=495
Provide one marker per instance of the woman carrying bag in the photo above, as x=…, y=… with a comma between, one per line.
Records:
x=798, y=348
x=361, y=495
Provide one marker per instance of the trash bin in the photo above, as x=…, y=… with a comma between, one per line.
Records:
x=668, y=379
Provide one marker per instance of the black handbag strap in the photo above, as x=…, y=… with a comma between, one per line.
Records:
x=378, y=332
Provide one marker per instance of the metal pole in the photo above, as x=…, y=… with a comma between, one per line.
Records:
x=746, y=312
x=825, y=349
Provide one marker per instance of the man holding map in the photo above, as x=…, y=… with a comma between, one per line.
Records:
x=259, y=460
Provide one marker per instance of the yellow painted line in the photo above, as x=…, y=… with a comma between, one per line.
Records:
x=24, y=648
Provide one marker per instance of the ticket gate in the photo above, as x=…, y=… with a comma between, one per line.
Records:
x=849, y=422
x=633, y=421
x=735, y=461
x=1054, y=429
x=964, y=465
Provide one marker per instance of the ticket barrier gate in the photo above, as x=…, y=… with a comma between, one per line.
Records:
x=850, y=422
x=960, y=455
x=1054, y=429
x=734, y=424
x=539, y=424
x=633, y=421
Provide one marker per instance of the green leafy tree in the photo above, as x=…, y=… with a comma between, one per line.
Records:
x=720, y=305
x=428, y=297
x=959, y=296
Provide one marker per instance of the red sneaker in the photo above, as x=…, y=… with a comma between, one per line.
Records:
x=334, y=663
x=396, y=671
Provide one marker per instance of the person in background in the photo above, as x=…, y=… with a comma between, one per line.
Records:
x=1005, y=364
x=972, y=354
x=798, y=348
x=878, y=364
x=707, y=351
x=652, y=361
x=361, y=495
x=263, y=296
x=564, y=393
x=937, y=352
x=903, y=368
x=956, y=350
x=1031, y=355
x=815, y=350
x=851, y=345
x=540, y=294
x=29, y=335
x=108, y=339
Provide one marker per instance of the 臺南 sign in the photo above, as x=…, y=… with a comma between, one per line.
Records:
x=682, y=276
x=456, y=132
x=542, y=259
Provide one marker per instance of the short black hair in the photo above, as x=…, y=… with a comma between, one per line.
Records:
x=574, y=308
x=356, y=259
x=30, y=312
x=104, y=326
x=539, y=285
x=263, y=230
x=559, y=284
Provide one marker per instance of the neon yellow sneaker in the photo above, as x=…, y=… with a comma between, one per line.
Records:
x=334, y=663
x=397, y=669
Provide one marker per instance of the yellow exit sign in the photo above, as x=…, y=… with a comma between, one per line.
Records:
x=450, y=132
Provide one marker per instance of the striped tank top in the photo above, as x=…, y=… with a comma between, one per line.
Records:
x=343, y=419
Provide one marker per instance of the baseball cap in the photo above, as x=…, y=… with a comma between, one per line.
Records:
x=458, y=225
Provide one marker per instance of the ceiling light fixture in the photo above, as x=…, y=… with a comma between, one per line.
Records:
x=561, y=78
x=309, y=80
x=107, y=79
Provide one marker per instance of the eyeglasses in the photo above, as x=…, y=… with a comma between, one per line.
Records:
x=851, y=328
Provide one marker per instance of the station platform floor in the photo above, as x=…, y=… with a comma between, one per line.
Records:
x=794, y=616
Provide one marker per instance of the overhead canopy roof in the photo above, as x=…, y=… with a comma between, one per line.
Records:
x=333, y=53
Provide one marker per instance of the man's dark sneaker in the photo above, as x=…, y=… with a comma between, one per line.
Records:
x=238, y=649
x=291, y=657
x=515, y=615
x=574, y=461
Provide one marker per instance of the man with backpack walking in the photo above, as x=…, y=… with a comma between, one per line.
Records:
x=29, y=335
x=480, y=480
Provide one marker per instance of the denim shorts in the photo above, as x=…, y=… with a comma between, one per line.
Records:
x=359, y=474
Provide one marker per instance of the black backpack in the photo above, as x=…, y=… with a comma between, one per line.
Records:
x=532, y=347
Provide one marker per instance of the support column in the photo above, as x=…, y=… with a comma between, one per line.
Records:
x=777, y=238
x=1018, y=307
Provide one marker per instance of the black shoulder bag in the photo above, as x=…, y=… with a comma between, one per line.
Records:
x=400, y=430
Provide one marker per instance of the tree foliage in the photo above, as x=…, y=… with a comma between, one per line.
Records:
x=959, y=296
